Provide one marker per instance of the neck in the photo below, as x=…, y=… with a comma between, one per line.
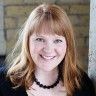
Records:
x=46, y=77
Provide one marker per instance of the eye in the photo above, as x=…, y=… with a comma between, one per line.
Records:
x=40, y=39
x=58, y=41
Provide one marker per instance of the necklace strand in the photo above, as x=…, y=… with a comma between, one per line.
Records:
x=45, y=86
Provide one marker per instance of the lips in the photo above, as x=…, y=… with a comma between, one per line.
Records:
x=47, y=57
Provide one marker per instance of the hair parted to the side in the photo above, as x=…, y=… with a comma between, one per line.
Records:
x=22, y=69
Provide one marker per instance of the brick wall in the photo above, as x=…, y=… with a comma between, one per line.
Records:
x=17, y=11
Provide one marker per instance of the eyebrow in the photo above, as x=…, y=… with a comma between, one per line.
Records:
x=56, y=36
x=39, y=36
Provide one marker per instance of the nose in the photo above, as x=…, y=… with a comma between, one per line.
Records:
x=48, y=48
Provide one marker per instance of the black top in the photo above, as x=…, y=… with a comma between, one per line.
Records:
x=6, y=89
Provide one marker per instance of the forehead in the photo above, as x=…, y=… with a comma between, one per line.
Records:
x=47, y=35
x=46, y=30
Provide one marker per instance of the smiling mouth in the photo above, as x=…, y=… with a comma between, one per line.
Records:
x=47, y=57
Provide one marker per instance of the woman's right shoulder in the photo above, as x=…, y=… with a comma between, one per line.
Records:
x=3, y=72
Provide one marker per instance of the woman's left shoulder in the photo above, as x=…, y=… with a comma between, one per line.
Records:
x=86, y=82
x=87, y=86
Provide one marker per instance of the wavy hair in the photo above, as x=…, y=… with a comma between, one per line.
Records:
x=21, y=70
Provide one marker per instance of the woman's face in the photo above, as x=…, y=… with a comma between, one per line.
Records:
x=47, y=50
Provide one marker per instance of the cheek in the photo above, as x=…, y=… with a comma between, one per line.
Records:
x=62, y=49
x=38, y=47
x=35, y=48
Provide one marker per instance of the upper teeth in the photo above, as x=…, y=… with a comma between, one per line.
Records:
x=48, y=57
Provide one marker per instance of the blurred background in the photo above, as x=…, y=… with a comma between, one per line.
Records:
x=13, y=13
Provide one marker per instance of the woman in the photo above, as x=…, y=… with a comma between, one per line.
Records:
x=46, y=64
